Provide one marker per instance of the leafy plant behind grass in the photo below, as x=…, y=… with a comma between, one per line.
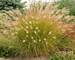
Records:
x=69, y=4
x=11, y=4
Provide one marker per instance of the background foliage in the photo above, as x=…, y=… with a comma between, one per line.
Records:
x=11, y=4
x=69, y=4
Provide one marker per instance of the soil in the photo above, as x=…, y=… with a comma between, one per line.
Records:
x=38, y=58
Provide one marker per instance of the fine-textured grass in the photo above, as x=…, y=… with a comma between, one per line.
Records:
x=39, y=34
x=35, y=34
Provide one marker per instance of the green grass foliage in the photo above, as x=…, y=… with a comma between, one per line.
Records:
x=39, y=36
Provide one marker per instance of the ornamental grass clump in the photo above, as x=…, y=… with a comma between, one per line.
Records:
x=37, y=37
x=39, y=33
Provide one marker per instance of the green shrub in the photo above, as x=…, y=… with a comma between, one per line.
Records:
x=69, y=4
x=11, y=4
x=8, y=51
